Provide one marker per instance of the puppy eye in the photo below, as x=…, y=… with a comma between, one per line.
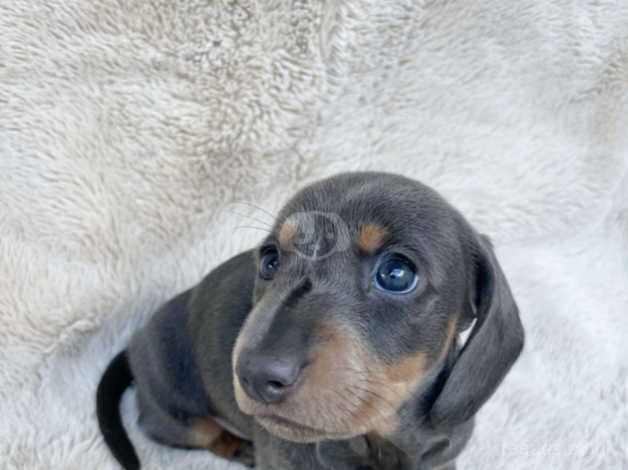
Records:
x=396, y=274
x=269, y=262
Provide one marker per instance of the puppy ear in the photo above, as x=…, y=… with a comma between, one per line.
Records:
x=492, y=347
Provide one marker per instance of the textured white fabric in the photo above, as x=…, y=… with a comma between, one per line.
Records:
x=134, y=135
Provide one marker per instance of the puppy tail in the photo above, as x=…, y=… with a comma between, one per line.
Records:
x=114, y=382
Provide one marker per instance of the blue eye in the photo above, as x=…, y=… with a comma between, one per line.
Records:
x=396, y=274
x=269, y=262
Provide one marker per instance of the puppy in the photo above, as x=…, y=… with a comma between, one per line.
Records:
x=334, y=344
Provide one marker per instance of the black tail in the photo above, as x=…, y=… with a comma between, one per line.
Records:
x=114, y=382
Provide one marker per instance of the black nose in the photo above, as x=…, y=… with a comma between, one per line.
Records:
x=267, y=379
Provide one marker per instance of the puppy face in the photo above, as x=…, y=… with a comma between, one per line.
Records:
x=363, y=284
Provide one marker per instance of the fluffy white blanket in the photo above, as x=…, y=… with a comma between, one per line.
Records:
x=140, y=141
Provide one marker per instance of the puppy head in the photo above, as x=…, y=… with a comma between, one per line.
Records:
x=363, y=285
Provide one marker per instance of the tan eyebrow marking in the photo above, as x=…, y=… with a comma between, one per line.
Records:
x=287, y=232
x=372, y=237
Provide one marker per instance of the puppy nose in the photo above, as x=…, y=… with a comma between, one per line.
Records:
x=267, y=379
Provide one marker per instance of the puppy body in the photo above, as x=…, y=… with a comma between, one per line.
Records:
x=297, y=348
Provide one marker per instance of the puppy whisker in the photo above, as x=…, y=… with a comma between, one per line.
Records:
x=253, y=219
x=250, y=204
x=262, y=229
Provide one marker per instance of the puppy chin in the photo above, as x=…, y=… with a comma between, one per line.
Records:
x=295, y=432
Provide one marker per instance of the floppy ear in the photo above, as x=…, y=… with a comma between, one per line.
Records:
x=492, y=347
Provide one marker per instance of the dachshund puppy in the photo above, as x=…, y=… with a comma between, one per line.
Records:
x=334, y=344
